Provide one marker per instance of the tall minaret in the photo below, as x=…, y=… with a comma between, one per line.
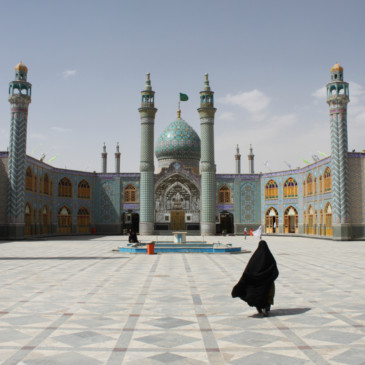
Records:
x=104, y=157
x=207, y=164
x=237, y=157
x=19, y=99
x=147, y=113
x=117, y=160
x=337, y=99
x=251, y=157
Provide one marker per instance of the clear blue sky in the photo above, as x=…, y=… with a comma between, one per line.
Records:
x=267, y=62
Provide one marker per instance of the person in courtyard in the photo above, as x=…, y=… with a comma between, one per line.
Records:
x=132, y=236
x=245, y=232
x=256, y=286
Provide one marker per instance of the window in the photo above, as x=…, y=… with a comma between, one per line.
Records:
x=320, y=185
x=46, y=185
x=224, y=194
x=29, y=179
x=290, y=188
x=327, y=180
x=130, y=194
x=309, y=185
x=271, y=190
x=83, y=190
x=65, y=188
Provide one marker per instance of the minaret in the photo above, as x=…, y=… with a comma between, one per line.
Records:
x=337, y=99
x=19, y=99
x=237, y=157
x=104, y=157
x=117, y=160
x=147, y=113
x=251, y=157
x=207, y=164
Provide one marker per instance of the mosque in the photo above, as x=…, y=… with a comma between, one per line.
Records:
x=323, y=199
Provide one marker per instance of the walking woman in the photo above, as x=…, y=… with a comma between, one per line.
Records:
x=256, y=286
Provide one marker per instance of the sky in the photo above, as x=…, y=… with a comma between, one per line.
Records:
x=268, y=64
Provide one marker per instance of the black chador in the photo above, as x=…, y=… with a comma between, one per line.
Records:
x=256, y=286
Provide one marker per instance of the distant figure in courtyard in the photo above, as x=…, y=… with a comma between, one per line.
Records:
x=132, y=236
x=245, y=232
x=256, y=286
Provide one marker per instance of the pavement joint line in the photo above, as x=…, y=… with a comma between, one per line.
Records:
x=126, y=336
x=210, y=343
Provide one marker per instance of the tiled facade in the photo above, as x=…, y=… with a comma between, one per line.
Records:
x=249, y=200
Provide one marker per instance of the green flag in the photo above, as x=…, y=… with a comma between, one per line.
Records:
x=52, y=159
x=305, y=161
x=183, y=97
x=323, y=154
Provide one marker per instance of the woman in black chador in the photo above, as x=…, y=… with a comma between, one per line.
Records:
x=256, y=286
x=132, y=236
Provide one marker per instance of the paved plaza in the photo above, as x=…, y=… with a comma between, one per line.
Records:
x=78, y=301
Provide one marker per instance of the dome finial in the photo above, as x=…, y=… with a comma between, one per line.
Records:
x=179, y=113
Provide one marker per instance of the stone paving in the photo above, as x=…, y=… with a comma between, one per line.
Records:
x=76, y=301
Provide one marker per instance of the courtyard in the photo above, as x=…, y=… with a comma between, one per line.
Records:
x=77, y=300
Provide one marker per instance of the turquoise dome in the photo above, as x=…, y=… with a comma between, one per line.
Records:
x=178, y=141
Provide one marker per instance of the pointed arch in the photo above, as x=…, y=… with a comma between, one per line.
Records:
x=271, y=220
x=83, y=220
x=224, y=194
x=290, y=188
x=327, y=179
x=45, y=222
x=130, y=194
x=29, y=179
x=309, y=184
x=271, y=190
x=46, y=185
x=328, y=219
x=83, y=190
x=290, y=220
x=65, y=220
x=65, y=188
x=310, y=213
x=27, y=220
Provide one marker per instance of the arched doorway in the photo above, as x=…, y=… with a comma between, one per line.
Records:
x=328, y=229
x=310, y=220
x=271, y=220
x=226, y=222
x=45, y=220
x=64, y=220
x=290, y=220
x=83, y=220
x=28, y=220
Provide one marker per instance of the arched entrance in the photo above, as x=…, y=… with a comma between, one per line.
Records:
x=28, y=220
x=177, y=203
x=328, y=229
x=310, y=220
x=271, y=220
x=226, y=222
x=45, y=220
x=64, y=220
x=290, y=220
x=83, y=220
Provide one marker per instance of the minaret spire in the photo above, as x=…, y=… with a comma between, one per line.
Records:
x=251, y=158
x=104, y=157
x=117, y=159
x=207, y=162
x=147, y=113
x=337, y=99
x=20, y=92
x=237, y=157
